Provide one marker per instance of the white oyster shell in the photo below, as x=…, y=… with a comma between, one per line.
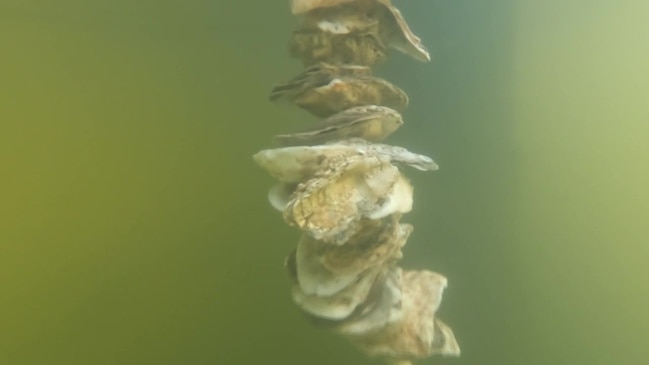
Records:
x=385, y=310
x=340, y=305
x=280, y=195
x=298, y=163
x=313, y=277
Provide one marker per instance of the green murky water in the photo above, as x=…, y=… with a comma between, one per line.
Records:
x=134, y=227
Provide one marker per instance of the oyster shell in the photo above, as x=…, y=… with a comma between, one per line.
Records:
x=331, y=206
x=280, y=194
x=371, y=122
x=376, y=19
x=312, y=46
x=324, y=90
x=347, y=194
x=341, y=34
x=419, y=333
x=378, y=242
x=299, y=163
x=303, y=6
x=394, y=153
x=396, y=33
x=324, y=269
x=444, y=342
x=342, y=304
x=381, y=309
x=345, y=19
x=313, y=277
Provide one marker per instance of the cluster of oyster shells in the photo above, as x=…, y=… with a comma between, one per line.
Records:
x=346, y=192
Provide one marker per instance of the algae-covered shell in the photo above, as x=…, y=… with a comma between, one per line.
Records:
x=371, y=122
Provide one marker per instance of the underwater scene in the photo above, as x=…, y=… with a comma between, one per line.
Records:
x=297, y=182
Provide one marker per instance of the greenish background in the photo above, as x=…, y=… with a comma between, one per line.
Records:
x=134, y=227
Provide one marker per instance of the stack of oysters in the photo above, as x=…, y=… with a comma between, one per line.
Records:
x=345, y=191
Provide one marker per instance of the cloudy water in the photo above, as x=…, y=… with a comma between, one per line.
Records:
x=135, y=228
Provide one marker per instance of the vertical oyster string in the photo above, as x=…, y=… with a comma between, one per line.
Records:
x=346, y=192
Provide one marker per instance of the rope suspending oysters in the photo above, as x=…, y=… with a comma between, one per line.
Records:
x=346, y=192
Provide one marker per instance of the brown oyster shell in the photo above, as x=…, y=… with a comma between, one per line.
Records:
x=372, y=123
x=341, y=34
x=324, y=90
